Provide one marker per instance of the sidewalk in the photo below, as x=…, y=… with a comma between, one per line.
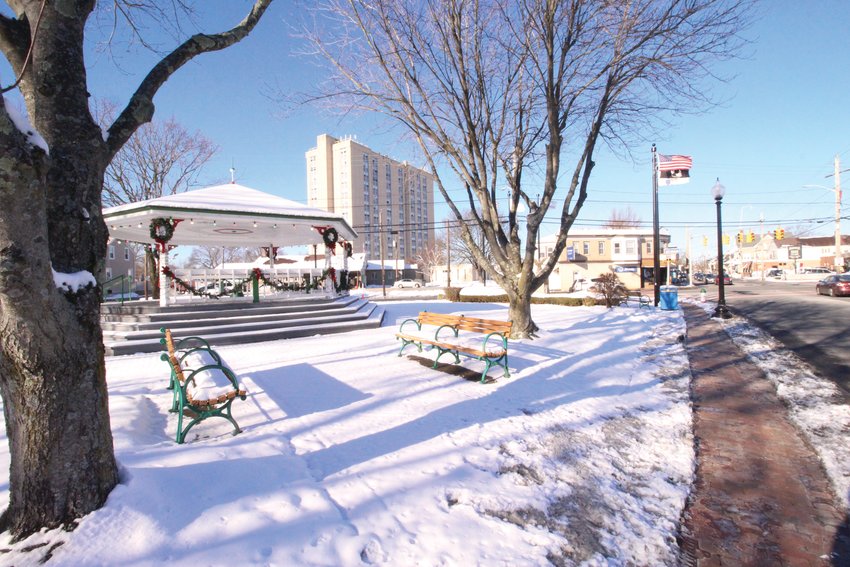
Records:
x=761, y=497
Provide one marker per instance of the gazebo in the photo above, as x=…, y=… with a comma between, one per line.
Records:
x=222, y=215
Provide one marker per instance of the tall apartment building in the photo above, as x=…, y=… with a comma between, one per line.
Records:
x=370, y=190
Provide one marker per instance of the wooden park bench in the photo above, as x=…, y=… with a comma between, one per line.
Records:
x=459, y=335
x=641, y=299
x=202, y=385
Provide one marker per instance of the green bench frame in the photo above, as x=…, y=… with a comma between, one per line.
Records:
x=182, y=403
x=447, y=333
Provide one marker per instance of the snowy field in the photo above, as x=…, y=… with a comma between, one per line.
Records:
x=354, y=456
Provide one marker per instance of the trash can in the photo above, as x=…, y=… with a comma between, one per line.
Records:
x=669, y=299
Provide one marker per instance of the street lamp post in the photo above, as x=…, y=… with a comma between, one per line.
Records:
x=717, y=191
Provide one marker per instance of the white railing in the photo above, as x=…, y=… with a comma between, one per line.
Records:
x=214, y=281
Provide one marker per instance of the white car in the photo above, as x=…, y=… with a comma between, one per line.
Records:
x=824, y=271
x=408, y=283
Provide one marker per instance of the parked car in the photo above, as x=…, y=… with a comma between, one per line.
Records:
x=774, y=273
x=836, y=284
x=818, y=270
x=698, y=278
x=407, y=282
x=710, y=278
x=727, y=280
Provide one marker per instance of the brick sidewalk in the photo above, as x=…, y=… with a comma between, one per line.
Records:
x=761, y=497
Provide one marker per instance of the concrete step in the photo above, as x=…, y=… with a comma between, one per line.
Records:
x=366, y=316
x=150, y=311
x=241, y=324
x=200, y=319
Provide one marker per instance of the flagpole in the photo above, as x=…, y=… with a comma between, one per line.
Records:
x=656, y=256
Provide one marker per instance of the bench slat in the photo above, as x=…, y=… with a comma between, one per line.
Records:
x=202, y=386
x=493, y=346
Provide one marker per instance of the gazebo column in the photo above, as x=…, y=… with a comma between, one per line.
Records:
x=163, y=279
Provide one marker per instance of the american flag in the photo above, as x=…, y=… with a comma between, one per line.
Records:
x=672, y=163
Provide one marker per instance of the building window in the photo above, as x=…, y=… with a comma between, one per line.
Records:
x=585, y=247
x=649, y=247
x=616, y=248
x=601, y=247
x=126, y=253
x=111, y=252
x=630, y=246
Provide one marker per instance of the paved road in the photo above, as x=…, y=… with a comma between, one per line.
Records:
x=816, y=328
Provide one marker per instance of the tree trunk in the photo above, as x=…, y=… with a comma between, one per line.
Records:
x=519, y=312
x=52, y=371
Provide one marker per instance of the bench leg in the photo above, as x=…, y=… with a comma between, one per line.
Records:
x=502, y=362
x=405, y=342
x=200, y=415
x=441, y=351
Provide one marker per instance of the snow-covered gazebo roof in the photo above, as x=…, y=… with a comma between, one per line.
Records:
x=226, y=215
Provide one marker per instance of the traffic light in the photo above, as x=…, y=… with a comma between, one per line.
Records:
x=726, y=239
x=705, y=241
x=779, y=233
x=739, y=238
x=751, y=236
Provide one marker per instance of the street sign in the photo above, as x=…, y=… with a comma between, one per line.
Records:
x=571, y=253
x=794, y=253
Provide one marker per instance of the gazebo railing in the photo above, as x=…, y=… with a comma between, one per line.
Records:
x=224, y=282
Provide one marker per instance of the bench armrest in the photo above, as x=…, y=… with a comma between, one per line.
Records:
x=441, y=327
x=187, y=352
x=191, y=342
x=224, y=370
x=501, y=338
x=406, y=321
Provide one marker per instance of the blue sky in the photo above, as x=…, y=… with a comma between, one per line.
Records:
x=784, y=119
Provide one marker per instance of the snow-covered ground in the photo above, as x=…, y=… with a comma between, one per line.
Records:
x=352, y=455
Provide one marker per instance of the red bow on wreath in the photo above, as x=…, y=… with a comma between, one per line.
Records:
x=162, y=229
x=329, y=236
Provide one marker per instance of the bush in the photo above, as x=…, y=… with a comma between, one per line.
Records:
x=610, y=288
x=545, y=300
x=453, y=294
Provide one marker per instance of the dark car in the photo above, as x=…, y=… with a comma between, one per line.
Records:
x=699, y=278
x=710, y=278
x=838, y=284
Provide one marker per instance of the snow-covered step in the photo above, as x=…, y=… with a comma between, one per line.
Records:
x=366, y=316
x=233, y=317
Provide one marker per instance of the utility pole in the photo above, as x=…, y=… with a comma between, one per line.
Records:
x=761, y=245
x=656, y=238
x=381, y=246
x=839, y=258
x=448, y=257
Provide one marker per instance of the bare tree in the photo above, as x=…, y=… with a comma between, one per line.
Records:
x=161, y=158
x=463, y=254
x=433, y=254
x=210, y=257
x=52, y=371
x=501, y=93
x=623, y=218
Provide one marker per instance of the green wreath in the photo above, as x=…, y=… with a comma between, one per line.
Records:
x=330, y=236
x=162, y=229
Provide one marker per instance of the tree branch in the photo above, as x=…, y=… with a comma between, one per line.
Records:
x=14, y=43
x=140, y=108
